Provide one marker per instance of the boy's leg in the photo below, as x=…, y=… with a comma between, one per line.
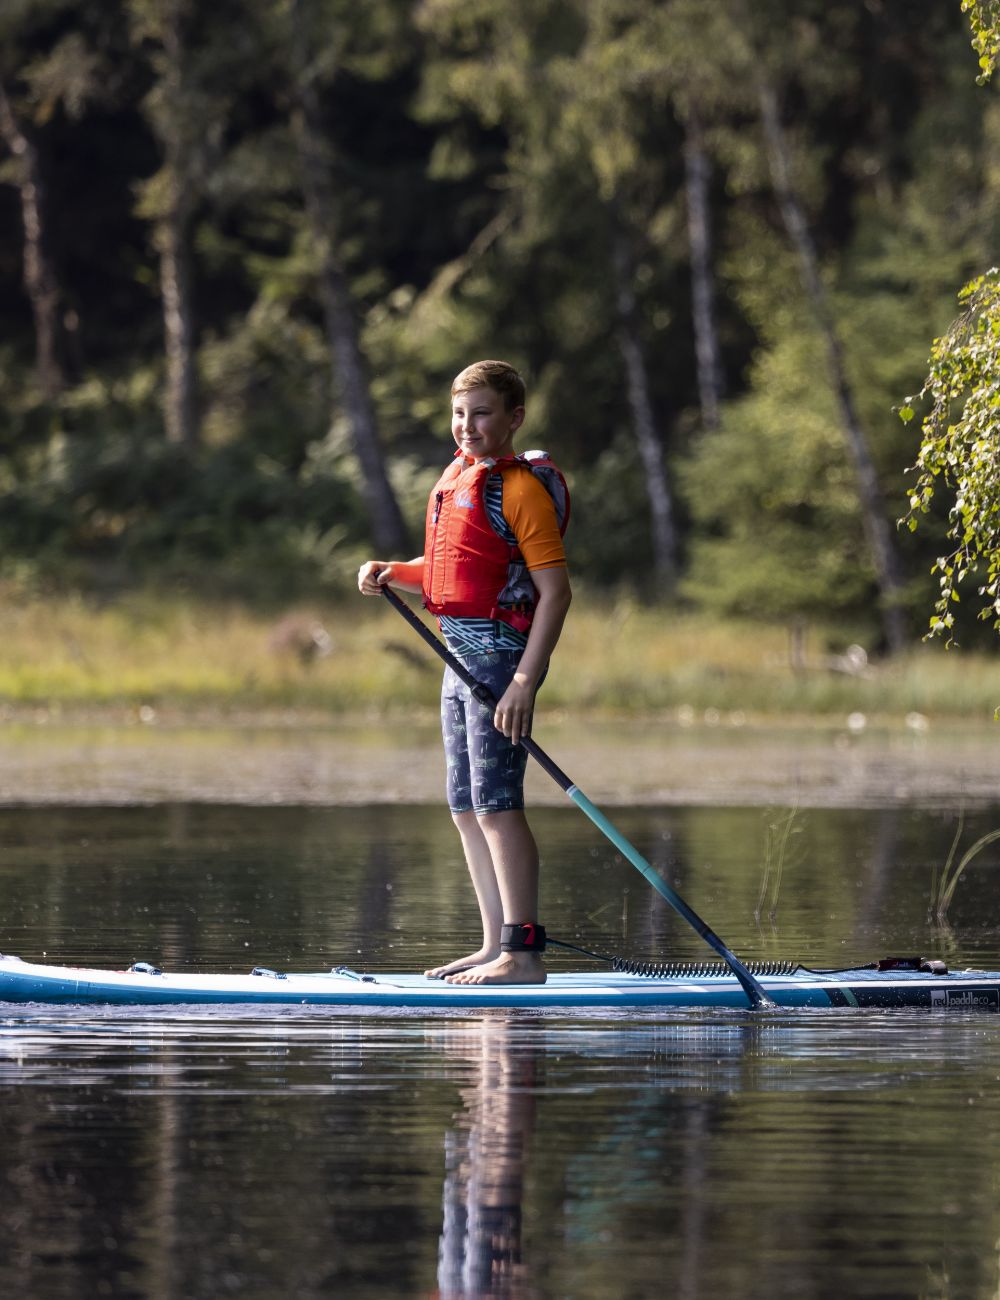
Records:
x=514, y=859
x=484, y=880
x=458, y=710
x=487, y=772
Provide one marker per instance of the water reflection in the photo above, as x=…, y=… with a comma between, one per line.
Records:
x=486, y=1153
x=501, y=1156
x=309, y=1153
x=190, y=887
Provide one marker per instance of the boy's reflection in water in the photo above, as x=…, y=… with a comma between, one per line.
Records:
x=488, y=1148
x=486, y=1154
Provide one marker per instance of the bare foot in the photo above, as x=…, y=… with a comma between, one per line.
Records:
x=462, y=963
x=508, y=968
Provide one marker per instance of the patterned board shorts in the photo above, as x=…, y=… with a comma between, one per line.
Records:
x=485, y=771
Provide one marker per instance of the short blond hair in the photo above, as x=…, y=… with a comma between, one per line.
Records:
x=498, y=375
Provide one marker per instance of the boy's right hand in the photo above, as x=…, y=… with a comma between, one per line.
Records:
x=372, y=577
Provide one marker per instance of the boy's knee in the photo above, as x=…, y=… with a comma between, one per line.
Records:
x=500, y=821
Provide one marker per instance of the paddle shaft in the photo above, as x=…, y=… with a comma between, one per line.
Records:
x=757, y=996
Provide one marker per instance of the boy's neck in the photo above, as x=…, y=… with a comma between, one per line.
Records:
x=502, y=453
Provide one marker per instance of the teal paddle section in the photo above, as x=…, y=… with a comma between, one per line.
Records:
x=755, y=993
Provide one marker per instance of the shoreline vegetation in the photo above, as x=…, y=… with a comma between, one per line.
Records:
x=170, y=658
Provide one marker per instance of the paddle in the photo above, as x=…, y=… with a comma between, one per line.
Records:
x=758, y=998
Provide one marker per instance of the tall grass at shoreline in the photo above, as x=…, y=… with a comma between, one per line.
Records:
x=188, y=656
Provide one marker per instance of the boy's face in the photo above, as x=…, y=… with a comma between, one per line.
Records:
x=481, y=425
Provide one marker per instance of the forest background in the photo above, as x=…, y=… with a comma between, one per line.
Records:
x=245, y=247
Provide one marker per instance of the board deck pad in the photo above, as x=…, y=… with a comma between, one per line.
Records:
x=29, y=982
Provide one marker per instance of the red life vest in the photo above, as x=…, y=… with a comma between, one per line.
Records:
x=469, y=570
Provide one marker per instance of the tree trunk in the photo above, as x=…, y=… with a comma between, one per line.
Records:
x=180, y=404
x=173, y=239
x=644, y=421
x=40, y=280
x=876, y=526
x=389, y=532
x=697, y=172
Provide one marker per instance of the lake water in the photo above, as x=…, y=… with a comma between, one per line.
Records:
x=305, y=1152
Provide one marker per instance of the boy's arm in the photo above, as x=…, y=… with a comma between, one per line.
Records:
x=374, y=574
x=513, y=712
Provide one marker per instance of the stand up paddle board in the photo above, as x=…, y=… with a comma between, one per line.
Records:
x=786, y=985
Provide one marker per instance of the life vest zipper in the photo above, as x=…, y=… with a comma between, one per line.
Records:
x=430, y=552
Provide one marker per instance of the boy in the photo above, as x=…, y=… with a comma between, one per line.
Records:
x=492, y=520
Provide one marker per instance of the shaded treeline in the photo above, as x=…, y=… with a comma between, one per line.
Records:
x=246, y=246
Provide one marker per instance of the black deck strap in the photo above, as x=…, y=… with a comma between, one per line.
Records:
x=929, y=965
x=352, y=974
x=527, y=937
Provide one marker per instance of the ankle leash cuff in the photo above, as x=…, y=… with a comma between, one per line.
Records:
x=522, y=938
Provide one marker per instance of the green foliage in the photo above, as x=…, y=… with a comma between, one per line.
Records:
x=959, y=432
x=89, y=478
x=958, y=450
x=772, y=495
x=483, y=155
x=984, y=19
